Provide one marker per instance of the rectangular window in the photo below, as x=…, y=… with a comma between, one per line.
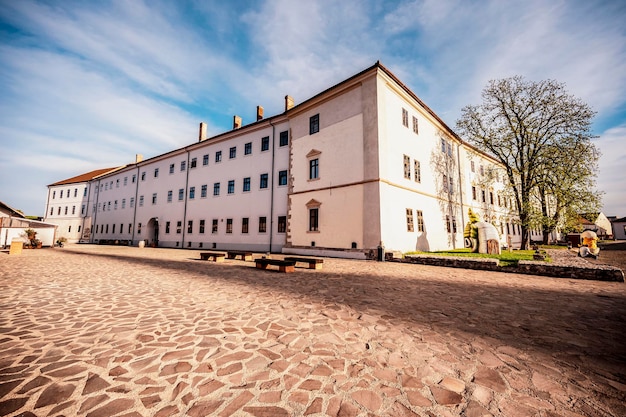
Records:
x=183, y=165
x=189, y=226
x=314, y=124
x=82, y=209
x=314, y=169
x=443, y=145
x=445, y=183
x=201, y=227
x=143, y=177
x=244, y=224
x=54, y=193
x=247, y=148
x=472, y=167
x=216, y=188
x=74, y=208
x=482, y=170
x=231, y=186
x=229, y=226
x=453, y=224
x=314, y=216
x=473, y=192
x=171, y=168
x=167, y=227
x=138, y=228
x=265, y=143
x=233, y=152
x=194, y=163
x=181, y=194
x=451, y=180
x=179, y=227
x=420, y=221
x=246, y=184
x=405, y=117
x=132, y=202
x=448, y=224
x=499, y=200
x=205, y=159
x=282, y=177
x=170, y=194
x=262, y=224
x=284, y=138
x=218, y=156
x=417, y=171
x=192, y=193
x=156, y=172
x=154, y=198
x=112, y=230
x=415, y=125
x=51, y=211
x=484, y=196
x=76, y=189
x=407, y=167
x=409, y=220
x=203, y=191
x=491, y=197
x=140, y=201
x=263, y=181
x=214, y=226
x=282, y=224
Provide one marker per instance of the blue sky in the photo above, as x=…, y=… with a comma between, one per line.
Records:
x=88, y=84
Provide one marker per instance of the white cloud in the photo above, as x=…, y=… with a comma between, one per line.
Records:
x=611, y=176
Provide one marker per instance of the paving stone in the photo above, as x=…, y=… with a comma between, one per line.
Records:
x=453, y=384
x=348, y=410
x=7, y=387
x=11, y=405
x=489, y=378
x=270, y=411
x=445, y=397
x=400, y=410
x=113, y=407
x=368, y=399
x=54, y=394
x=203, y=408
x=271, y=397
x=94, y=383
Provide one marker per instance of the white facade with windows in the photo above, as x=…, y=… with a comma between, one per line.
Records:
x=361, y=164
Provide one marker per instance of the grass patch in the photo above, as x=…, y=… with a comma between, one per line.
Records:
x=506, y=258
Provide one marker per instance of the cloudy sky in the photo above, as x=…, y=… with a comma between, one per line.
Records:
x=88, y=84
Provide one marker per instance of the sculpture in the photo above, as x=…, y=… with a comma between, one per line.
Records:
x=482, y=237
x=589, y=246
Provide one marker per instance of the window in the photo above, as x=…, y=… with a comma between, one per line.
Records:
x=125, y=184
x=183, y=165
x=59, y=211
x=282, y=177
x=54, y=193
x=244, y=224
x=156, y=172
x=203, y=191
x=265, y=143
x=314, y=124
x=231, y=186
x=499, y=200
x=482, y=170
x=113, y=230
x=138, y=228
x=229, y=225
x=134, y=179
x=201, y=227
x=417, y=170
x=167, y=227
x=51, y=211
x=262, y=224
x=409, y=220
x=108, y=205
x=143, y=176
x=214, y=226
x=405, y=117
x=233, y=152
x=443, y=145
x=205, y=159
x=448, y=224
x=451, y=180
x=472, y=167
x=415, y=125
x=314, y=216
x=484, y=196
x=247, y=148
x=74, y=208
x=194, y=163
x=171, y=168
x=445, y=183
x=76, y=189
x=491, y=197
x=263, y=181
x=181, y=194
x=140, y=201
x=284, y=138
x=282, y=224
x=132, y=202
x=420, y=221
x=218, y=156
x=65, y=211
x=216, y=188
x=453, y=224
x=106, y=188
x=407, y=167
x=179, y=227
x=246, y=184
x=82, y=209
x=190, y=226
x=473, y=192
x=154, y=198
x=314, y=169
x=192, y=193
x=169, y=196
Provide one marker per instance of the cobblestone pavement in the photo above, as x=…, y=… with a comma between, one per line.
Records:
x=109, y=331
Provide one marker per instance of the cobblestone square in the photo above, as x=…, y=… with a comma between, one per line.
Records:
x=124, y=331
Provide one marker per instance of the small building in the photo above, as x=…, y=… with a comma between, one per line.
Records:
x=619, y=228
x=13, y=224
x=598, y=223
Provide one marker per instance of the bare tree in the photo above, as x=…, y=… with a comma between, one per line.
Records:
x=521, y=124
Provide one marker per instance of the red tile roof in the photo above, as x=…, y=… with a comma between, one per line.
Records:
x=84, y=177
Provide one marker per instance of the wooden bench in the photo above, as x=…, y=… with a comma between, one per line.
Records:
x=213, y=256
x=283, y=266
x=245, y=256
x=314, y=263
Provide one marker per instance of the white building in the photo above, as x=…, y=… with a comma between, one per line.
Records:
x=362, y=164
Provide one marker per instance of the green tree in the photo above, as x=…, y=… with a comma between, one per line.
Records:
x=522, y=124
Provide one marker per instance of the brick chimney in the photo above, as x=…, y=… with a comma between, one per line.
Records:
x=288, y=102
x=259, y=112
x=202, y=132
x=236, y=122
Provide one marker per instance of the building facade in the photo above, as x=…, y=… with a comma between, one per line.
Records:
x=362, y=164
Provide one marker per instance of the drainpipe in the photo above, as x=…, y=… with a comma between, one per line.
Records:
x=458, y=157
x=132, y=238
x=82, y=227
x=184, y=225
x=272, y=185
x=95, y=217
